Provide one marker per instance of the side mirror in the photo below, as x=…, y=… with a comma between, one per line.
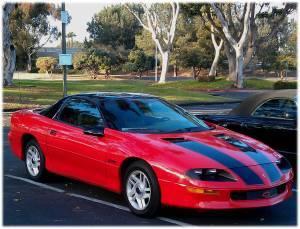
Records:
x=97, y=131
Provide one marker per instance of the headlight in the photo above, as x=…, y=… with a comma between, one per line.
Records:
x=210, y=175
x=283, y=164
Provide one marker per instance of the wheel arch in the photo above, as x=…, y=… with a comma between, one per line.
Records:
x=26, y=138
x=127, y=162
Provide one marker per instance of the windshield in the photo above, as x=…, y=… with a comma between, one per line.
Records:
x=148, y=115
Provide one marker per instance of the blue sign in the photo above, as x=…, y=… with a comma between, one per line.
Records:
x=65, y=59
x=64, y=16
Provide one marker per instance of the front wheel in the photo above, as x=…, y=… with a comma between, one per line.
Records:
x=141, y=190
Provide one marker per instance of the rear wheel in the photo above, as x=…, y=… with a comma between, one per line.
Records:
x=141, y=189
x=34, y=161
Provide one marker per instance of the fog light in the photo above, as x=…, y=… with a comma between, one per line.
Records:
x=202, y=191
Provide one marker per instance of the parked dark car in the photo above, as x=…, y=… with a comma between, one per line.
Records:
x=270, y=117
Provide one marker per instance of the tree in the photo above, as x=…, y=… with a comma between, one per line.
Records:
x=144, y=41
x=286, y=57
x=196, y=14
x=197, y=58
x=114, y=26
x=236, y=44
x=93, y=61
x=160, y=20
x=31, y=29
x=46, y=64
x=139, y=62
x=9, y=52
x=261, y=17
x=71, y=36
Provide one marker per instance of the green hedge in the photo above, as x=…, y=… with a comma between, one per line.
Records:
x=284, y=85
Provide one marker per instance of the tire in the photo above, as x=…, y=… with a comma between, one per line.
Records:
x=141, y=190
x=35, y=167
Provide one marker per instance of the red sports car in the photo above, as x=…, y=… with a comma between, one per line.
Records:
x=152, y=152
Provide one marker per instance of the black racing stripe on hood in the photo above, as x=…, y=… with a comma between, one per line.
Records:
x=273, y=173
x=244, y=172
x=268, y=166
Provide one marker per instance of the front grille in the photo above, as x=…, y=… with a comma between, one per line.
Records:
x=258, y=194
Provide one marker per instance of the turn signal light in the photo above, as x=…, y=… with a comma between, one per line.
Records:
x=202, y=191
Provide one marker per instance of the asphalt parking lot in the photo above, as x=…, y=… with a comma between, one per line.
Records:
x=62, y=201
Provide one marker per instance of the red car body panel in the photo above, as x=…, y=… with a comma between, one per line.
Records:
x=98, y=160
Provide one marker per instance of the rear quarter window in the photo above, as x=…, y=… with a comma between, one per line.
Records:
x=277, y=108
x=52, y=110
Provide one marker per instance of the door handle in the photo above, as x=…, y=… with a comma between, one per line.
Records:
x=52, y=132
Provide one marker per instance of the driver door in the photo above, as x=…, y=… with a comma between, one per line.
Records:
x=73, y=153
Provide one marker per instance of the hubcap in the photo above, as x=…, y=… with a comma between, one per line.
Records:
x=138, y=190
x=33, y=160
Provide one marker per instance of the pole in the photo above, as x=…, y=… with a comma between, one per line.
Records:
x=64, y=51
x=155, y=62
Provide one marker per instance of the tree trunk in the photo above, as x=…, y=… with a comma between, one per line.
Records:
x=213, y=69
x=194, y=72
x=252, y=35
x=164, y=69
x=239, y=68
x=29, y=63
x=231, y=62
x=9, y=52
x=175, y=72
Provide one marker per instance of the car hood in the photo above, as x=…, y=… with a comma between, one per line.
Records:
x=224, y=147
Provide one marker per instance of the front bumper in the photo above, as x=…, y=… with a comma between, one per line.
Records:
x=180, y=195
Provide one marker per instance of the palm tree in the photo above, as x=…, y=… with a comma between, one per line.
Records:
x=70, y=36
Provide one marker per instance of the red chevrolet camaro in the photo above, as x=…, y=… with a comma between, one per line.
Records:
x=152, y=152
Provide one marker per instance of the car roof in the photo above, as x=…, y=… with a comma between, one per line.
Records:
x=246, y=107
x=114, y=95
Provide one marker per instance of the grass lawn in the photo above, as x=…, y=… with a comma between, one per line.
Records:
x=218, y=84
x=31, y=93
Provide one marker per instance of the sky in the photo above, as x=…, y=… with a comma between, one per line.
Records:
x=81, y=14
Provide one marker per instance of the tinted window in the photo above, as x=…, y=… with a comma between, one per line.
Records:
x=148, y=115
x=82, y=113
x=277, y=108
x=51, y=111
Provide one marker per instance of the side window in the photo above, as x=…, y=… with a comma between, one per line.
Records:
x=51, y=111
x=277, y=108
x=290, y=109
x=81, y=113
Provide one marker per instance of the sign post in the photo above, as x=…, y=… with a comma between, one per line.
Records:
x=64, y=21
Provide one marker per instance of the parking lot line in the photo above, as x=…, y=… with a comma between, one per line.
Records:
x=120, y=207
x=45, y=186
x=99, y=201
x=176, y=222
